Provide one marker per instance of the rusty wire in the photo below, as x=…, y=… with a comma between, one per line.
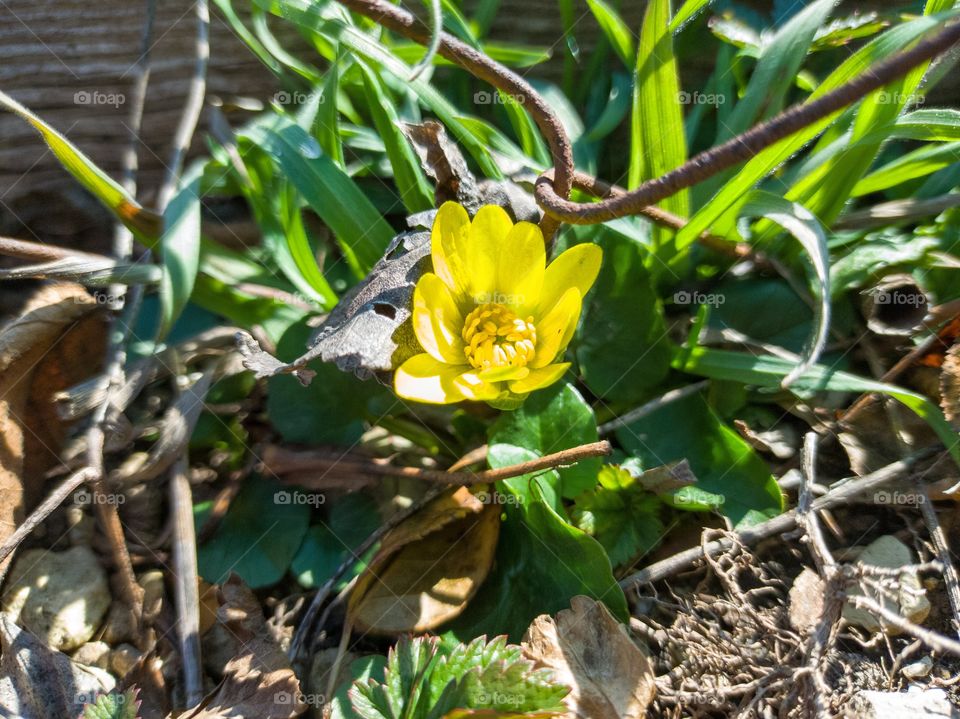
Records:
x=553, y=186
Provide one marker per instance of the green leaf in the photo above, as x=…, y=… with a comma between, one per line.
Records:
x=144, y=223
x=551, y=420
x=542, y=562
x=616, y=30
x=800, y=223
x=621, y=346
x=351, y=519
x=362, y=233
x=772, y=157
x=687, y=12
x=412, y=184
x=180, y=247
x=724, y=464
x=113, y=706
x=621, y=515
x=781, y=57
x=919, y=163
x=306, y=415
x=258, y=537
x=423, y=680
x=767, y=371
x=869, y=259
x=657, y=139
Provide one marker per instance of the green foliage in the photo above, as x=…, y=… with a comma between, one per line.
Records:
x=422, y=681
x=113, y=706
x=621, y=515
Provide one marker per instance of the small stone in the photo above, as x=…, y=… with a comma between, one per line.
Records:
x=60, y=597
x=918, y=669
x=920, y=704
x=909, y=602
x=152, y=584
x=123, y=659
x=119, y=625
x=93, y=654
x=806, y=601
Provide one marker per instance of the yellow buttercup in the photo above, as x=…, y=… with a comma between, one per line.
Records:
x=492, y=317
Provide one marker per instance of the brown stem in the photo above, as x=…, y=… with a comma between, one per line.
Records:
x=492, y=72
x=737, y=149
x=358, y=467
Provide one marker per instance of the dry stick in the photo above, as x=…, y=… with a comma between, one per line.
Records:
x=737, y=149
x=357, y=466
x=652, y=406
x=186, y=589
x=928, y=637
x=939, y=540
x=56, y=498
x=492, y=72
x=39, y=252
x=840, y=494
x=550, y=461
x=896, y=211
x=191, y=110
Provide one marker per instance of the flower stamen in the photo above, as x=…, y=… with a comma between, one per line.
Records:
x=494, y=336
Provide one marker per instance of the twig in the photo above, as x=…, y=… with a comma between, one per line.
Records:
x=896, y=211
x=39, y=252
x=839, y=494
x=356, y=466
x=652, y=406
x=746, y=145
x=944, y=555
x=932, y=639
x=492, y=72
x=191, y=110
x=186, y=590
x=56, y=498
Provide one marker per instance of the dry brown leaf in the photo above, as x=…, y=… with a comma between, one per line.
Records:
x=950, y=385
x=37, y=682
x=258, y=683
x=428, y=567
x=55, y=343
x=590, y=651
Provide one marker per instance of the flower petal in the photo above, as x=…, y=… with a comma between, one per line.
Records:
x=449, y=241
x=539, y=378
x=437, y=320
x=577, y=267
x=425, y=379
x=520, y=268
x=477, y=388
x=556, y=328
x=499, y=374
x=488, y=234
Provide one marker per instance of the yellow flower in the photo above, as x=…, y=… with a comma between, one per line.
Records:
x=492, y=318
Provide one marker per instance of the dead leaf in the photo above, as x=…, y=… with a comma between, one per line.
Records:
x=259, y=682
x=37, y=682
x=428, y=568
x=51, y=346
x=590, y=651
x=443, y=163
x=950, y=385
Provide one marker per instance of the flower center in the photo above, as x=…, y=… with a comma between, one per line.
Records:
x=496, y=337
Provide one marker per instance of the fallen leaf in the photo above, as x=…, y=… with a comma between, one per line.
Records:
x=806, y=600
x=428, y=568
x=443, y=163
x=590, y=651
x=49, y=347
x=37, y=682
x=950, y=385
x=258, y=683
